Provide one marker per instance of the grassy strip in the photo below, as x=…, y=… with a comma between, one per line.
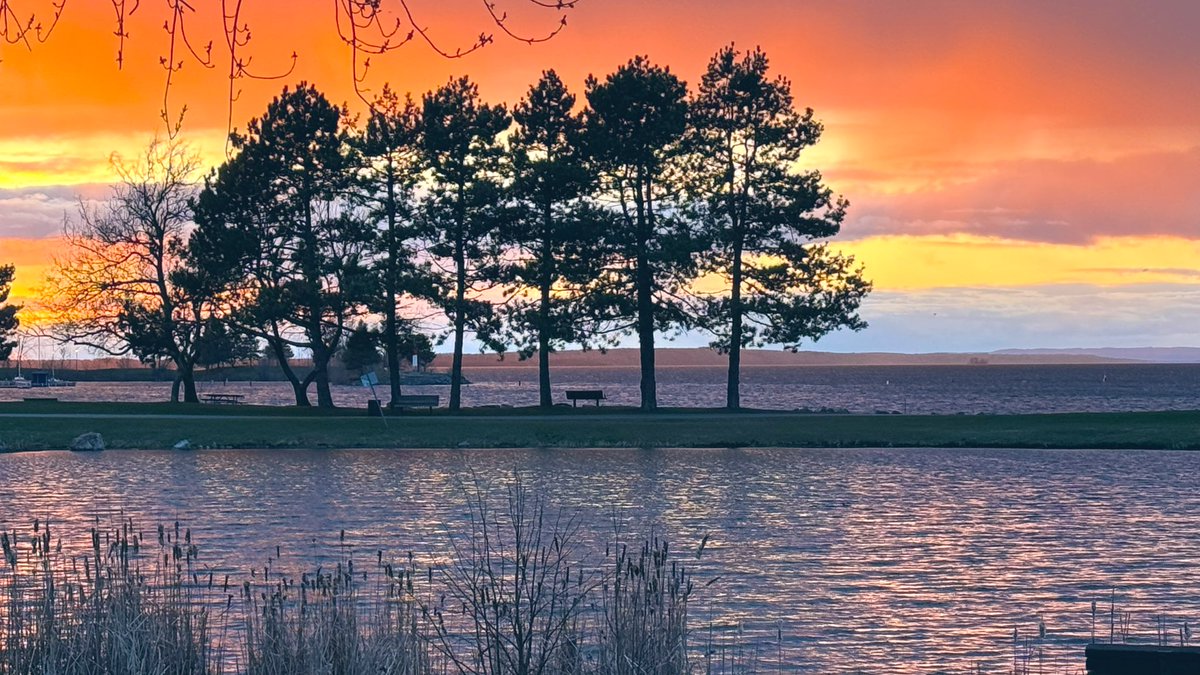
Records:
x=1160, y=430
x=38, y=407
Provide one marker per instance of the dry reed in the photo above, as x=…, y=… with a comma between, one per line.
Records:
x=519, y=596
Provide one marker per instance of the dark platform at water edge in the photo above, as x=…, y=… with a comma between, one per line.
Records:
x=1142, y=660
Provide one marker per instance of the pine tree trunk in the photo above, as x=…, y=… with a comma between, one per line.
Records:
x=733, y=394
x=645, y=297
x=456, y=363
x=391, y=345
x=321, y=355
x=299, y=389
x=460, y=320
x=187, y=377
x=545, y=397
x=324, y=393
x=391, y=348
x=645, y=330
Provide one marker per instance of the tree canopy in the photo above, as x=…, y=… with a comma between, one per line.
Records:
x=361, y=350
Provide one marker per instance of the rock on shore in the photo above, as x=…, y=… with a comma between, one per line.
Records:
x=89, y=442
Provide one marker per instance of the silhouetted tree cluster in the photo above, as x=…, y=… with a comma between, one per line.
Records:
x=645, y=210
x=8, y=313
x=361, y=350
x=221, y=345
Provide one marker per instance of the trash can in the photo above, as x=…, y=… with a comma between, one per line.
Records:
x=373, y=409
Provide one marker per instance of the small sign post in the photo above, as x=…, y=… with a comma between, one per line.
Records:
x=370, y=379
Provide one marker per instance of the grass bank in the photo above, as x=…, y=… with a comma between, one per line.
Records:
x=50, y=426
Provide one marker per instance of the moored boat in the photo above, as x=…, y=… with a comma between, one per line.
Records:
x=43, y=379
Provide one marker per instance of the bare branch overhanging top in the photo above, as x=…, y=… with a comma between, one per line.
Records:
x=368, y=27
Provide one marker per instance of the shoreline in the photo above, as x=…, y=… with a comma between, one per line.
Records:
x=34, y=426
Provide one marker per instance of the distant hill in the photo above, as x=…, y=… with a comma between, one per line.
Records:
x=757, y=358
x=1137, y=354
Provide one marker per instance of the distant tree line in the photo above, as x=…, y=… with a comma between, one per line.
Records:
x=644, y=211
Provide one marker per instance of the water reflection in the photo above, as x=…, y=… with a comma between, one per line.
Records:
x=921, y=560
x=913, y=389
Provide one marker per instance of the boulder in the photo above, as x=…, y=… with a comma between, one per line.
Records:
x=88, y=442
x=185, y=444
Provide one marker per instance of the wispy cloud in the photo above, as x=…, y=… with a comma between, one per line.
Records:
x=1049, y=200
x=1055, y=316
x=34, y=213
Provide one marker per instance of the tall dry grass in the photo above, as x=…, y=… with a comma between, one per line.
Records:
x=519, y=595
x=115, y=609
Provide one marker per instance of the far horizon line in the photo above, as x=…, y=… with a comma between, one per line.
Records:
x=615, y=357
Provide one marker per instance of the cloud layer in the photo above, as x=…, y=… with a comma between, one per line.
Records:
x=1065, y=201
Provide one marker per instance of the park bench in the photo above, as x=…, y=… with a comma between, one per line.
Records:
x=231, y=399
x=416, y=401
x=574, y=396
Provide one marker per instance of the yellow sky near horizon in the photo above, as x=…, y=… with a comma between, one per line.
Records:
x=900, y=263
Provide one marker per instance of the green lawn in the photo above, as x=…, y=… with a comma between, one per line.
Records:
x=25, y=426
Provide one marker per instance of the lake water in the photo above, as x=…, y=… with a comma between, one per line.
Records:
x=884, y=561
x=865, y=389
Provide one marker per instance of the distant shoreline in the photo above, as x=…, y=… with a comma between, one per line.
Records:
x=492, y=363
x=27, y=426
x=617, y=359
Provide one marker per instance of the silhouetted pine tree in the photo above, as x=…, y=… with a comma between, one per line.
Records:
x=8, y=313
x=276, y=224
x=221, y=345
x=555, y=233
x=360, y=351
x=459, y=213
x=635, y=123
x=391, y=148
x=764, y=218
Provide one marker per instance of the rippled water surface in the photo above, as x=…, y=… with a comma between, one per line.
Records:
x=861, y=389
x=879, y=560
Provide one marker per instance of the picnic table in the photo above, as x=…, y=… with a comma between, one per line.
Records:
x=232, y=399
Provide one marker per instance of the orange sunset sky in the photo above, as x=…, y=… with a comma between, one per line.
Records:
x=1021, y=173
